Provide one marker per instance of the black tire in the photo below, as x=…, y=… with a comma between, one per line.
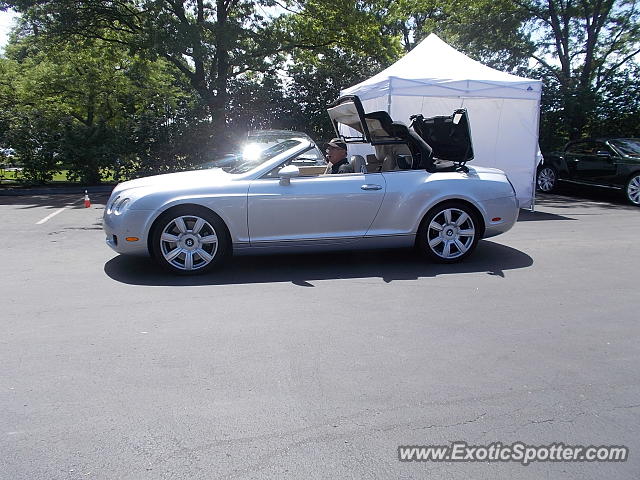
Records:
x=632, y=189
x=190, y=240
x=547, y=179
x=449, y=232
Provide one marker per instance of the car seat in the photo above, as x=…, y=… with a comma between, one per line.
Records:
x=374, y=164
x=357, y=164
x=399, y=134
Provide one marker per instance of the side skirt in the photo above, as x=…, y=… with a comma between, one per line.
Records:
x=364, y=243
x=588, y=184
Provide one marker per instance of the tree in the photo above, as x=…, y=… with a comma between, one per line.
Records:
x=487, y=30
x=215, y=44
x=78, y=105
x=259, y=102
x=582, y=45
x=352, y=43
x=210, y=43
x=617, y=111
x=314, y=84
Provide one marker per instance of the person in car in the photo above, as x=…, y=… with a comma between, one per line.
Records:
x=337, y=157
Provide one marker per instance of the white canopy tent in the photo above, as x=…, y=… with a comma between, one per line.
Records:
x=435, y=79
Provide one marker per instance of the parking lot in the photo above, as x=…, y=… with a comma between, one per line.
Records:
x=317, y=366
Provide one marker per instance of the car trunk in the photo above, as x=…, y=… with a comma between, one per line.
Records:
x=449, y=137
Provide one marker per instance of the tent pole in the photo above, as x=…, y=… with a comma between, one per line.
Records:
x=389, y=98
x=535, y=171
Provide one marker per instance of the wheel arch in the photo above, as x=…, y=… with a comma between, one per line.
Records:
x=556, y=174
x=635, y=173
x=557, y=162
x=171, y=208
x=475, y=208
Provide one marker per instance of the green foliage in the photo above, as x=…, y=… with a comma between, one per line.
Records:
x=139, y=87
x=356, y=27
x=487, y=30
x=210, y=43
x=583, y=46
x=80, y=105
x=352, y=41
x=26, y=128
x=553, y=134
x=316, y=84
x=258, y=102
x=617, y=110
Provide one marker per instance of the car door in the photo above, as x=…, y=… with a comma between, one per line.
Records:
x=573, y=156
x=312, y=210
x=594, y=163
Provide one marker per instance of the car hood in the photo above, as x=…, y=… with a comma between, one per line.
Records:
x=176, y=181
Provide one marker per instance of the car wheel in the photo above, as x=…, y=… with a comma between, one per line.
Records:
x=547, y=179
x=449, y=232
x=190, y=240
x=633, y=189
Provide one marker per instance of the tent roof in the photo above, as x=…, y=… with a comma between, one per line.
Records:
x=435, y=64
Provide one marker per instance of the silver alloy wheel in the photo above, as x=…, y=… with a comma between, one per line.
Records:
x=188, y=243
x=451, y=233
x=546, y=179
x=633, y=190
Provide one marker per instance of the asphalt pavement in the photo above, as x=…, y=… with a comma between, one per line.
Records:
x=317, y=366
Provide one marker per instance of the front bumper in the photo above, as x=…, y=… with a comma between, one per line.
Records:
x=118, y=228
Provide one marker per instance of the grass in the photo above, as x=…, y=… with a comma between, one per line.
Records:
x=12, y=178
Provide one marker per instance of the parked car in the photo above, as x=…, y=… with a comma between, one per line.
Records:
x=278, y=201
x=606, y=162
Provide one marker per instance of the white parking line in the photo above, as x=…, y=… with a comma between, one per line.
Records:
x=51, y=215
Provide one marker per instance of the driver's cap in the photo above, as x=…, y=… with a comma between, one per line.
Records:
x=337, y=143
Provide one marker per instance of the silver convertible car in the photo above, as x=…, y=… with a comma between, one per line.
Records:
x=415, y=190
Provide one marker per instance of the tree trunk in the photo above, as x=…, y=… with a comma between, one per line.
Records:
x=219, y=102
x=578, y=102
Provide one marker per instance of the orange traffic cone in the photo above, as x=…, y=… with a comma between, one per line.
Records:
x=87, y=202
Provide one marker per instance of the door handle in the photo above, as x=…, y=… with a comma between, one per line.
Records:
x=369, y=186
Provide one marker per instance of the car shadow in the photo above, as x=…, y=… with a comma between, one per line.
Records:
x=571, y=196
x=389, y=265
x=537, y=216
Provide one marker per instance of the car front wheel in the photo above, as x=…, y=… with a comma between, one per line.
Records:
x=633, y=189
x=547, y=179
x=449, y=232
x=190, y=240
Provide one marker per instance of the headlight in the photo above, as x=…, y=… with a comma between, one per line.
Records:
x=112, y=204
x=119, y=206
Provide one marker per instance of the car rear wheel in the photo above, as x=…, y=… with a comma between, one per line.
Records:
x=633, y=189
x=190, y=240
x=547, y=179
x=449, y=232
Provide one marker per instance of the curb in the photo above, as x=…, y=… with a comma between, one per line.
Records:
x=15, y=192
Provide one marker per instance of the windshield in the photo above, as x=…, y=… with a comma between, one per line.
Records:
x=251, y=156
x=267, y=138
x=627, y=146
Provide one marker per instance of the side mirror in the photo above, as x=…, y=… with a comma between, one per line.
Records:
x=287, y=173
x=603, y=154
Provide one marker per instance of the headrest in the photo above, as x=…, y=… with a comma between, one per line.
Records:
x=358, y=164
x=372, y=159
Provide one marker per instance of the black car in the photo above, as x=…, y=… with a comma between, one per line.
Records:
x=605, y=162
